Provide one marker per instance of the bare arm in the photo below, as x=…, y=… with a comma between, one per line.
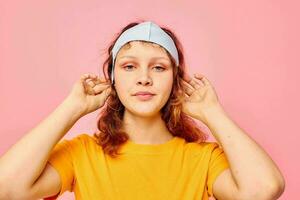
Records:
x=22, y=164
x=254, y=172
x=24, y=171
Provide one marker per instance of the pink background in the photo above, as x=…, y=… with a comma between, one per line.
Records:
x=246, y=49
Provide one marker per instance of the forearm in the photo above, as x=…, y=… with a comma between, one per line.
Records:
x=251, y=167
x=22, y=164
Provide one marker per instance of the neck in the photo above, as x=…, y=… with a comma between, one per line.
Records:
x=146, y=130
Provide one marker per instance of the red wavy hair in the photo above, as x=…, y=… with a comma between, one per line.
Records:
x=110, y=135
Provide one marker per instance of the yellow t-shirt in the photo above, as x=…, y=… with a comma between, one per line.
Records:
x=175, y=170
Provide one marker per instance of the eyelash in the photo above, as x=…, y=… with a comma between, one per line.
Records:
x=155, y=67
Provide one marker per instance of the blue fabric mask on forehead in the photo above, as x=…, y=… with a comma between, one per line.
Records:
x=145, y=31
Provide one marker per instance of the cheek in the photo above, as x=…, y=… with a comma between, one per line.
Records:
x=121, y=88
x=124, y=91
x=165, y=89
x=166, y=83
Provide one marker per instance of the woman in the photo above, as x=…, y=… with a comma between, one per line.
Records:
x=147, y=146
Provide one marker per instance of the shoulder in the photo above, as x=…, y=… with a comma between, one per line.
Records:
x=203, y=147
x=79, y=141
x=82, y=137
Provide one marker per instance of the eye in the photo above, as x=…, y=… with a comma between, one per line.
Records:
x=160, y=68
x=128, y=67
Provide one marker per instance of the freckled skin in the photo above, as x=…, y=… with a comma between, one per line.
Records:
x=143, y=75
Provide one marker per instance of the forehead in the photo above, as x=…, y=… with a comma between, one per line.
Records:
x=138, y=47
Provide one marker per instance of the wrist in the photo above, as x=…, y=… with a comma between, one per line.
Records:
x=211, y=113
x=74, y=108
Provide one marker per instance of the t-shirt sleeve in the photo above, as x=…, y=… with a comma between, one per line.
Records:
x=217, y=164
x=61, y=159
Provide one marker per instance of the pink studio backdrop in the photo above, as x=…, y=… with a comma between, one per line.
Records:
x=246, y=49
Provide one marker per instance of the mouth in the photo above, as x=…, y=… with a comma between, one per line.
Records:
x=144, y=97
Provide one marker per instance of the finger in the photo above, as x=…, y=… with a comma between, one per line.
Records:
x=186, y=78
x=203, y=79
x=194, y=84
x=99, y=88
x=101, y=80
x=91, y=83
x=85, y=76
x=186, y=83
x=187, y=88
x=88, y=89
x=93, y=76
x=103, y=95
x=186, y=95
x=94, y=81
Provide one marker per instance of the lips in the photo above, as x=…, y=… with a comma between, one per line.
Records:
x=143, y=93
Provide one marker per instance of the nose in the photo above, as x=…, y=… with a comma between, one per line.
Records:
x=144, y=79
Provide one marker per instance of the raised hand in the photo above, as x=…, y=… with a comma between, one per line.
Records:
x=89, y=93
x=200, y=96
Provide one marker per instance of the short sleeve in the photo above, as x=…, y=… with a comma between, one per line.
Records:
x=61, y=159
x=218, y=163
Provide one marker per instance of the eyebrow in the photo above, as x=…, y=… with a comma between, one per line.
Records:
x=152, y=58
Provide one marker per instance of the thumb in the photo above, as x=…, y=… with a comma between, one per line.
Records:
x=103, y=95
x=82, y=81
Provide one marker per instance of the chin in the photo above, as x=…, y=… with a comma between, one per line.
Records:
x=144, y=112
